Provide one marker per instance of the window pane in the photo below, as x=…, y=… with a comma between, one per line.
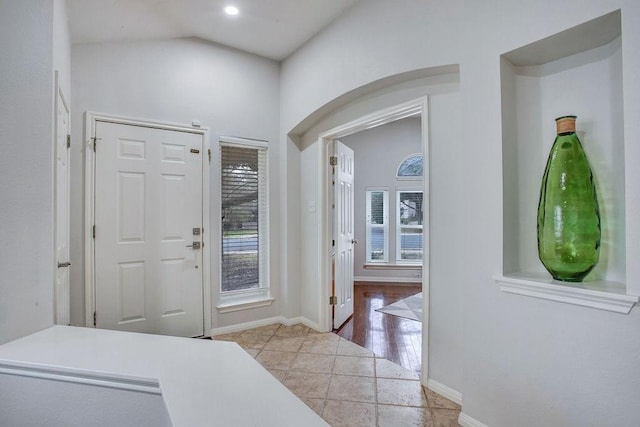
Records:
x=411, y=208
x=411, y=167
x=410, y=244
x=410, y=213
x=240, y=218
x=377, y=207
x=377, y=232
x=376, y=238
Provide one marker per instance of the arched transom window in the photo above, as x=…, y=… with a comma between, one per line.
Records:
x=411, y=167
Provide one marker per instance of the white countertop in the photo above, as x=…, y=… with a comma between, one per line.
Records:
x=203, y=382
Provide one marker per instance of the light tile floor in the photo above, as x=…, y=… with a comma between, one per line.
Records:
x=344, y=383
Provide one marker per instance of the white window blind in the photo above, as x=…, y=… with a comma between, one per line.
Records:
x=409, y=217
x=244, y=200
x=377, y=226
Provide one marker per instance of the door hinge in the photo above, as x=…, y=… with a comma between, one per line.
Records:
x=209, y=152
x=95, y=139
x=333, y=300
x=68, y=141
x=94, y=231
x=333, y=160
x=94, y=319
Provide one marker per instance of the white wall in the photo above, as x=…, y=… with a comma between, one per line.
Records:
x=26, y=168
x=448, y=207
x=291, y=231
x=378, y=152
x=62, y=46
x=230, y=92
x=523, y=361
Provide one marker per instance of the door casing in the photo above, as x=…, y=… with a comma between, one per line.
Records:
x=62, y=293
x=91, y=118
x=418, y=106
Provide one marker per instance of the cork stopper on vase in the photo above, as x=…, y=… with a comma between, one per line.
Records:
x=565, y=125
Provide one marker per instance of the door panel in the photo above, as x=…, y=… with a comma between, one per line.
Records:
x=344, y=236
x=131, y=291
x=148, y=201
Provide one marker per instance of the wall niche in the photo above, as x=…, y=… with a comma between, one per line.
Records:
x=574, y=72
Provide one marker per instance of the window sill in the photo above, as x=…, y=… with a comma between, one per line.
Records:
x=244, y=304
x=610, y=296
x=387, y=266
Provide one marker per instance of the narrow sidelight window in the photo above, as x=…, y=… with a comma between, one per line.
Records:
x=377, y=229
x=409, y=239
x=244, y=208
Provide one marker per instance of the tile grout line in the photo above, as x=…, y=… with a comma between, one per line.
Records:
x=375, y=391
x=305, y=336
x=335, y=356
x=326, y=395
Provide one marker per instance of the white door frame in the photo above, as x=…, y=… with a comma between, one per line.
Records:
x=91, y=119
x=382, y=117
x=62, y=303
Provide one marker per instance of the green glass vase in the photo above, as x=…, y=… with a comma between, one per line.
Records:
x=568, y=213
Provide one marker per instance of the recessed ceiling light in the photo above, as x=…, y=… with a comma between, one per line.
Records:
x=231, y=10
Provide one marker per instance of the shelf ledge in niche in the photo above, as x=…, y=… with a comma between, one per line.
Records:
x=602, y=295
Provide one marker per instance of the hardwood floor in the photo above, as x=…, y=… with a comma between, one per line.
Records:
x=392, y=337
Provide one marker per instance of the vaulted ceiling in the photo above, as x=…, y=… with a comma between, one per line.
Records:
x=270, y=28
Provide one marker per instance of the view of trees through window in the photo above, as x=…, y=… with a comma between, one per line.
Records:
x=240, y=218
x=409, y=226
x=411, y=167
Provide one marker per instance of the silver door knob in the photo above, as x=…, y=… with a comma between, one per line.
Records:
x=195, y=245
x=64, y=264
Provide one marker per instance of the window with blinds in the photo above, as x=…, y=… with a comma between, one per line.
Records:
x=244, y=208
x=377, y=226
x=409, y=215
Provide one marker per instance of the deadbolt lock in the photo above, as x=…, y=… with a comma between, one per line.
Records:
x=196, y=231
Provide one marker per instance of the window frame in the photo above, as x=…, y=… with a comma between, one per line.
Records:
x=400, y=226
x=369, y=226
x=261, y=295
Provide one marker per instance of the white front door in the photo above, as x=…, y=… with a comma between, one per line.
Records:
x=62, y=290
x=148, y=230
x=343, y=232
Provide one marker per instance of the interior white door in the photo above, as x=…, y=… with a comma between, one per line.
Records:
x=62, y=286
x=343, y=232
x=148, y=230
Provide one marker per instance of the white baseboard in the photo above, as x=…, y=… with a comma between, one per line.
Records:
x=300, y=319
x=264, y=322
x=239, y=327
x=448, y=392
x=466, y=421
x=387, y=279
